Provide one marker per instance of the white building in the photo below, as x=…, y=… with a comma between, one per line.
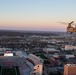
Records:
x=69, y=56
x=38, y=65
x=70, y=47
x=50, y=50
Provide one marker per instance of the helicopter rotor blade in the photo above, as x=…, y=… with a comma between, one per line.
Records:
x=63, y=22
x=66, y=23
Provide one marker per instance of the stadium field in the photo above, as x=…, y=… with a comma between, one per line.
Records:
x=8, y=71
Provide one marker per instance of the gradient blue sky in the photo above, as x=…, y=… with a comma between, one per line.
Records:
x=37, y=15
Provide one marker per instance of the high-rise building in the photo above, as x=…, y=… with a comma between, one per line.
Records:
x=70, y=69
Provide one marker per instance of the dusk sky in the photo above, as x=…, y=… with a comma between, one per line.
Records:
x=38, y=15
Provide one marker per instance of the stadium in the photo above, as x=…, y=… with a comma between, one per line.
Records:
x=18, y=64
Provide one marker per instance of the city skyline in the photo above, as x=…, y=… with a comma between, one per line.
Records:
x=38, y=15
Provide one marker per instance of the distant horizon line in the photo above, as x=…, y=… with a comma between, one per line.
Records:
x=30, y=30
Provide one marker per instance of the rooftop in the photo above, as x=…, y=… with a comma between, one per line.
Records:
x=71, y=64
x=51, y=49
